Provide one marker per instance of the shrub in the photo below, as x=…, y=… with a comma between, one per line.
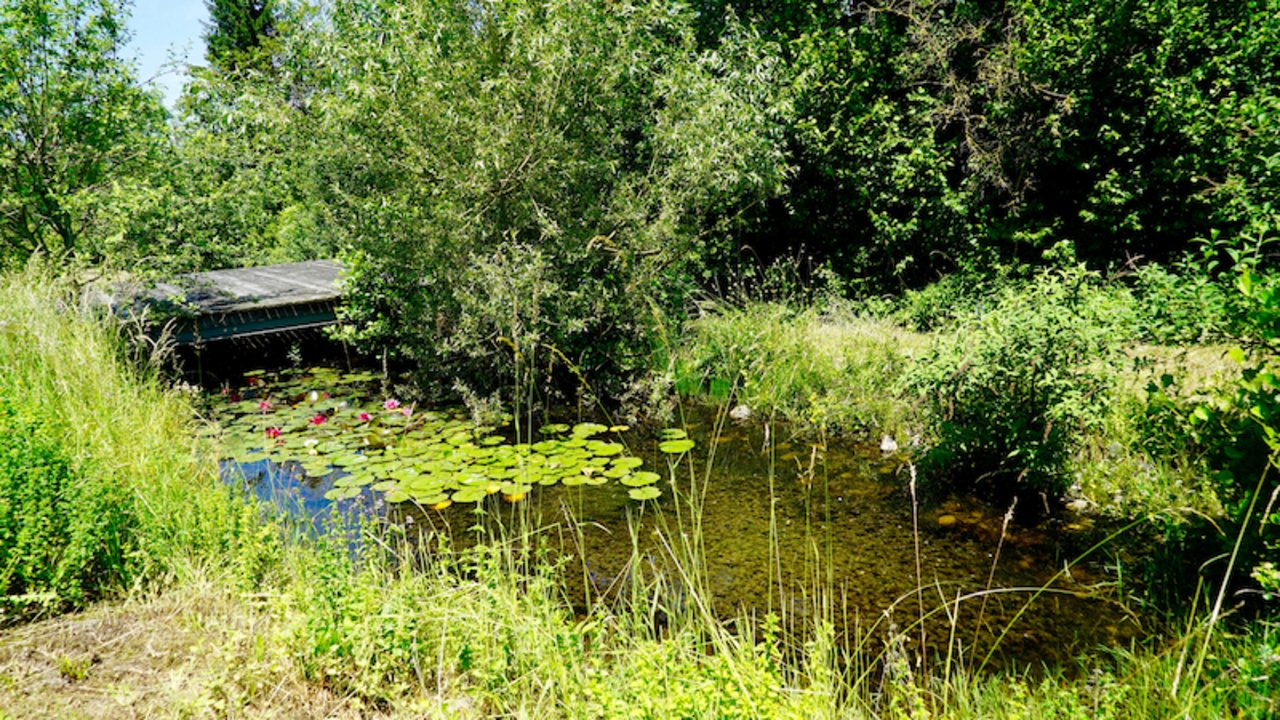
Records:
x=1012, y=390
x=62, y=535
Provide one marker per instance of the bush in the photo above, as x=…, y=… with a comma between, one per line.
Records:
x=64, y=538
x=1013, y=390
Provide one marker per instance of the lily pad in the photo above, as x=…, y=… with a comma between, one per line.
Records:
x=471, y=494
x=588, y=429
x=675, y=447
x=641, y=479
x=342, y=493
x=647, y=492
x=672, y=434
x=604, y=449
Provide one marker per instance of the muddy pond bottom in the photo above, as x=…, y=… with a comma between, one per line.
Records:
x=762, y=523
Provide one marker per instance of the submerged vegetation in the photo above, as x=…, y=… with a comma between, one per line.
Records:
x=1023, y=248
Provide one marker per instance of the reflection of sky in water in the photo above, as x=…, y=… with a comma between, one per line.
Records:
x=300, y=498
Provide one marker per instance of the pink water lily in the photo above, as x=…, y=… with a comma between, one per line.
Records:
x=273, y=432
x=391, y=404
x=319, y=419
x=365, y=417
x=408, y=411
x=265, y=405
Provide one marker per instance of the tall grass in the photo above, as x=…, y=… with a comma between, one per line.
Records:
x=830, y=368
x=120, y=428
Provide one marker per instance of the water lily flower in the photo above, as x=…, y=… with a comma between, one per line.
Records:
x=319, y=419
x=408, y=411
x=273, y=432
x=265, y=405
x=391, y=404
x=252, y=381
x=365, y=417
x=313, y=396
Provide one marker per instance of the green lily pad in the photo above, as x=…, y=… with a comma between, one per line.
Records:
x=672, y=434
x=554, y=429
x=342, y=493
x=471, y=494
x=433, y=500
x=588, y=429
x=627, y=463
x=641, y=479
x=349, y=459
x=647, y=492
x=675, y=447
x=605, y=449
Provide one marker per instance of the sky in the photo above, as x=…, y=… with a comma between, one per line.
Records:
x=164, y=30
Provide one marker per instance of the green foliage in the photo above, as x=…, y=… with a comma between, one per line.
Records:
x=827, y=368
x=238, y=35
x=101, y=469
x=597, y=143
x=1012, y=391
x=73, y=125
x=63, y=534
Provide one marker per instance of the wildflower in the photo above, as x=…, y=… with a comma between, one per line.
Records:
x=365, y=417
x=391, y=404
x=273, y=432
x=319, y=419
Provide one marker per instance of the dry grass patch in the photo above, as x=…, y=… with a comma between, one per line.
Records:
x=191, y=653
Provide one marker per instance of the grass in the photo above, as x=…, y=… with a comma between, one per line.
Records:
x=831, y=369
x=123, y=432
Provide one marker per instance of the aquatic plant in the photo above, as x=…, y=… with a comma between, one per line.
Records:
x=433, y=458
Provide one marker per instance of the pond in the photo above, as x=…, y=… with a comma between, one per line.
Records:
x=762, y=521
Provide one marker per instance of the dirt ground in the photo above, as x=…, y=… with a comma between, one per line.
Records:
x=194, y=654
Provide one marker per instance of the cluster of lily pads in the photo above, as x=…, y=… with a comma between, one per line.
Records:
x=324, y=421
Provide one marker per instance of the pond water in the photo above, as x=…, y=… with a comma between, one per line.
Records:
x=768, y=521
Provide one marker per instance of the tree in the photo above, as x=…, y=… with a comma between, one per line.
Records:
x=239, y=34
x=72, y=120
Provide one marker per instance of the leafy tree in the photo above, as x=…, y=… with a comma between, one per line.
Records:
x=595, y=142
x=239, y=34
x=73, y=121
